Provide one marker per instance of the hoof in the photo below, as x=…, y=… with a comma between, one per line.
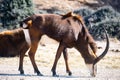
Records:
x=70, y=73
x=55, y=75
x=39, y=74
x=21, y=72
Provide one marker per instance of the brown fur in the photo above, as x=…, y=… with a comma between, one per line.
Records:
x=13, y=43
x=69, y=30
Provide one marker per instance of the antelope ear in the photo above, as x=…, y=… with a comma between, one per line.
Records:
x=29, y=23
x=69, y=14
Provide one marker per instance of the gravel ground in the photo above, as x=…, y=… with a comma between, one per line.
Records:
x=78, y=74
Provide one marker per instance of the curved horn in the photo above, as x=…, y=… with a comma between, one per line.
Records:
x=106, y=49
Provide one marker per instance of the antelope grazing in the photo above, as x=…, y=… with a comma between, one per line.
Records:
x=70, y=31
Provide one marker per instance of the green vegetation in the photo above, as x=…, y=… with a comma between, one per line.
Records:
x=13, y=11
x=103, y=17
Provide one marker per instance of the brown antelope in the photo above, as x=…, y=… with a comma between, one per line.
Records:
x=13, y=43
x=70, y=31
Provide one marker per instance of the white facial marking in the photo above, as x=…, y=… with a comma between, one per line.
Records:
x=90, y=67
x=27, y=36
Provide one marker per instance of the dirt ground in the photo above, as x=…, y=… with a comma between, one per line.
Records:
x=108, y=67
